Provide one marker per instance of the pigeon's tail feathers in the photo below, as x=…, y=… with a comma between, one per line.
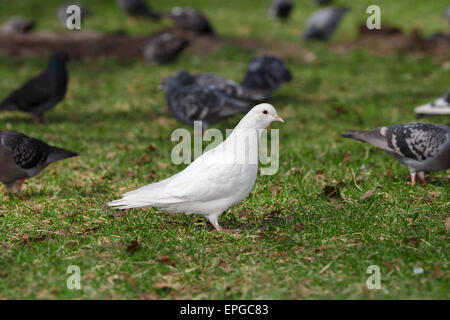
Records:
x=127, y=204
x=57, y=154
x=356, y=134
x=152, y=195
x=375, y=137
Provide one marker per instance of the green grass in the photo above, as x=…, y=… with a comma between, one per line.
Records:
x=294, y=242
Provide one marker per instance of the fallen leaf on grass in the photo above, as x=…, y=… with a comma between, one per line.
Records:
x=368, y=194
x=166, y=260
x=447, y=224
x=299, y=227
x=118, y=214
x=437, y=272
x=133, y=246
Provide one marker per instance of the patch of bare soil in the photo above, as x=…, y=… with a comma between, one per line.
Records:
x=391, y=40
x=93, y=44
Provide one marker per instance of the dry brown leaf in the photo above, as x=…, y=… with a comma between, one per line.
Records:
x=133, y=246
x=368, y=194
x=166, y=260
x=447, y=224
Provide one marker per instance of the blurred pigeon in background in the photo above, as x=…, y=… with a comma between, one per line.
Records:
x=440, y=106
x=138, y=8
x=190, y=19
x=323, y=2
x=42, y=92
x=266, y=73
x=422, y=147
x=164, y=48
x=323, y=23
x=22, y=157
x=231, y=88
x=280, y=9
x=189, y=102
x=62, y=12
x=17, y=25
x=216, y=180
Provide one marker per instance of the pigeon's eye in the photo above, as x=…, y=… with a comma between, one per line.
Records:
x=265, y=111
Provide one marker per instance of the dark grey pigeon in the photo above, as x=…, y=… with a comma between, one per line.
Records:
x=280, y=9
x=422, y=147
x=17, y=25
x=138, y=8
x=190, y=19
x=189, y=102
x=62, y=12
x=323, y=2
x=266, y=73
x=230, y=87
x=323, y=23
x=164, y=48
x=22, y=157
x=42, y=92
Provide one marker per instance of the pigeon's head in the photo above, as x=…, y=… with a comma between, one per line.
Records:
x=181, y=78
x=260, y=117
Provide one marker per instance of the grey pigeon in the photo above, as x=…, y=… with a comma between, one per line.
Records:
x=422, y=147
x=62, y=12
x=322, y=23
x=22, y=157
x=266, y=73
x=187, y=18
x=138, y=8
x=164, y=48
x=230, y=87
x=17, y=25
x=42, y=92
x=189, y=102
x=440, y=106
x=280, y=9
x=323, y=2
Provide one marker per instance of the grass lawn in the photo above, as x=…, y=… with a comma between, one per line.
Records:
x=293, y=241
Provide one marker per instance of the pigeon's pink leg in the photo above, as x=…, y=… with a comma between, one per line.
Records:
x=19, y=184
x=413, y=178
x=421, y=176
x=218, y=228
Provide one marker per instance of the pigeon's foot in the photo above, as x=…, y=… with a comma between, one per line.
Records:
x=17, y=187
x=421, y=176
x=413, y=178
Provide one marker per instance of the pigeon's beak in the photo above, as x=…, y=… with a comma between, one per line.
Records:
x=278, y=118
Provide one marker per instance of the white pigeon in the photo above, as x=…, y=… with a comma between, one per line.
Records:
x=215, y=181
x=440, y=106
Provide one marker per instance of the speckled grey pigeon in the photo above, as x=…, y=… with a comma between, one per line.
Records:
x=17, y=25
x=187, y=18
x=138, y=8
x=280, y=9
x=322, y=23
x=189, y=102
x=230, y=87
x=266, y=73
x=440, y=106
x=422, y=147
x=164, y=48
x=22, y=157
x=62, y=12
x=42, y=92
